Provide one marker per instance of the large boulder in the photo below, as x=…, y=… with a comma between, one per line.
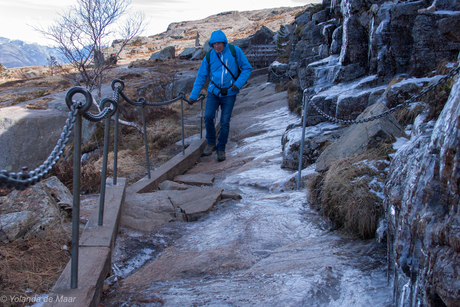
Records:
x=28, y=133
x=187, y=53
x=359, y=137
x=317, y=138
x=184, y=82
x=164, y=54
x=264, y=36
x=28, y=137
x=278, y=72
x=449, y=26
x=36, y=212
x=345, y=100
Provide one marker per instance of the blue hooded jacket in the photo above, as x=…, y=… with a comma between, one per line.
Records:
x=218, y=73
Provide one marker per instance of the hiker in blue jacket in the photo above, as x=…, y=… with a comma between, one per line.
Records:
x=228, y=70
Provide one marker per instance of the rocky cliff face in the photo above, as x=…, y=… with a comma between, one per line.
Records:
x=422, y=211
x=350, y=54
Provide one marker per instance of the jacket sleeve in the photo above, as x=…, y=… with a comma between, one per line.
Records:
x=203, y=73
x=245, y=66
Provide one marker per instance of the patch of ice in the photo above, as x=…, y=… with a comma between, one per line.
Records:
x=399, y=143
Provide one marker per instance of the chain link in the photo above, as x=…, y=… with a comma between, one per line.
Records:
x=118, y=90
x=452, y=73
x=23, y=180
x=106, y=112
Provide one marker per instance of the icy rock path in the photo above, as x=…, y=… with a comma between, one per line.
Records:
x=268, y=249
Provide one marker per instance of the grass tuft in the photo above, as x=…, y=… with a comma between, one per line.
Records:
x=350, y=191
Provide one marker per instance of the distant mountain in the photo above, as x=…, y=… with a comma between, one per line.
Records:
x=16, y=53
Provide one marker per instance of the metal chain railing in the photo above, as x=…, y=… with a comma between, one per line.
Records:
x=272, y=71
x=25, y=179
x=450, y=75
x=118, y=87
x=21, y=181
x=79, y=110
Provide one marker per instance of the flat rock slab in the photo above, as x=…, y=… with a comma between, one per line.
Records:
x=195, y=179
x=171, y=185
x=147, y=210
x=231, y=195
x=194, y=202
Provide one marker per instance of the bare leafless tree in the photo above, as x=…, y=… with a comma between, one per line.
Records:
x=85, y=29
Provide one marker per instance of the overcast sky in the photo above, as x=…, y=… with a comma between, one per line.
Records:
x=17, y=16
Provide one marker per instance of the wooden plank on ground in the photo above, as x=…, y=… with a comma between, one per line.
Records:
x=105, y=235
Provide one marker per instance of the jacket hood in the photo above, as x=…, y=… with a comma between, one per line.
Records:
x=216, y=37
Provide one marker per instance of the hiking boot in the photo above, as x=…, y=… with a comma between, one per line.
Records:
x=209, y=149
x=220, y=155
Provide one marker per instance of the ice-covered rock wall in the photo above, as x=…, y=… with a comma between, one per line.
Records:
x=423, y=198
x=345, y=55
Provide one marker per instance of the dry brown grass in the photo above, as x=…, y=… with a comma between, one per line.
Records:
x=31, y=267
x=345, y=192
x=90, y=175
x=293, y=93
x=5, y=191
x=406, y=116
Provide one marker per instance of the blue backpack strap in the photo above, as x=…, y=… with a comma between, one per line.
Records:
x=232, y=50
x=208, y=56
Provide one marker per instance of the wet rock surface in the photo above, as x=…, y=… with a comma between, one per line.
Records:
x=268, y=248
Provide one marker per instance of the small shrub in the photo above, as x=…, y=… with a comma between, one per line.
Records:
x=298, y=31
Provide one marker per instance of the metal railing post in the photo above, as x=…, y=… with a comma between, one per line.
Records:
x=145, y=138
x=76, y=202
x=104, y=172
x=115, y=147
x=302, y=142
x=104, y=161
